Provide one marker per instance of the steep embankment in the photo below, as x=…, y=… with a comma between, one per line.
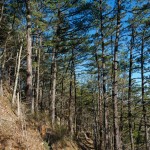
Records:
x=15, y=134
x=21, y=133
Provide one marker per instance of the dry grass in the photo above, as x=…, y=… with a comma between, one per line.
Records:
x=20, y=133
x=65, y=144
x=15, y=134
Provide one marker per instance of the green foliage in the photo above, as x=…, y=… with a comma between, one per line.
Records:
x=72, y=29
x=46, y=146
x=61, y=131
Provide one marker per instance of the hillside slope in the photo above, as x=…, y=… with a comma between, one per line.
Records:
x=22, y=133
x=14, y=132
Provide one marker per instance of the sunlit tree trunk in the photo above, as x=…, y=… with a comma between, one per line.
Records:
x=3, y=61
x=62, y=102
x=29, y=93
x=99, y=101
x=75, y=92
x=53, y=91
x=17, y=72
x=144, y=111
x=129, y=93
x=117, y=138
x=38, y=75
x=95, y=127
x=71, y=104
x=71, y=97
x=106, y=138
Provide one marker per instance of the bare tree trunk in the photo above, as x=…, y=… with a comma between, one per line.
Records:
x=62, y=102
x=75, y=103
x=1, y=84
x=75, y=92
x=29, y=93
x=53, y=96
x=117, y=139
x=42, y=95
x=16, y=65
x=99, y=102
x=112, y=74
x=38, y=76
x=122, y=112
x=95, y=125
x=18, y=105
x=139, y=131
x=129, y=93
x=106, y=137
x=70, y=112
x=143, y=94
x=71, y=108
x=17, y=73
x=2, y=10
x=3, y=60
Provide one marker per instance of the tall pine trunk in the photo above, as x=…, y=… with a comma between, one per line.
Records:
x=105, y=122
x=117, y=138
x=17, y=73
x=75, y=92
x=38, y=75
x=70, y=108
x=53, y=91
x=29, y=93
x=144, y=112
x=129, y=93
x=1, y=11
x=99, y=101
x=3, y=61
x=71, y=98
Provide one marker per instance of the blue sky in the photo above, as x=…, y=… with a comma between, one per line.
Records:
x=128, y=15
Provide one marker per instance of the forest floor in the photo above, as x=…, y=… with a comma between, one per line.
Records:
x=24, y=133
x=15, y=132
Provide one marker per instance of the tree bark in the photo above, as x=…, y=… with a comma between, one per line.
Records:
x=3, y=61
x=70, y=112
x=53, y=96
x=71, y=108
x=95, y=125
x=129, y=93
x=17, y=73
x=75, y=92
x=18, y=105
x=143, y=94
x=105, y=122
x=29, y=93
x=62, y=103
x=38, y=76
x=99, y=101
x=2, y=11
x=117, y=139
